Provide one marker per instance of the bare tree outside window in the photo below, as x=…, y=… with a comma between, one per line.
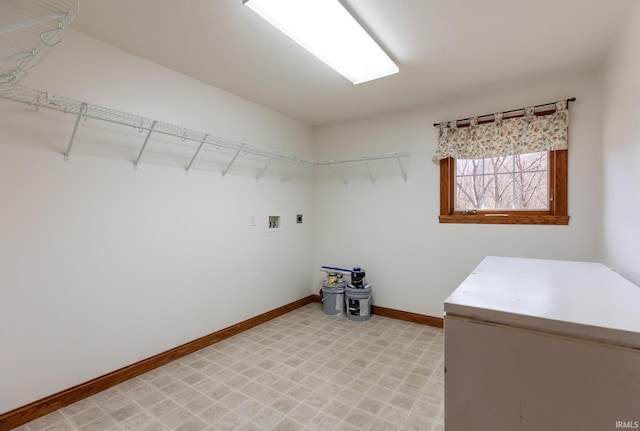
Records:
x=517, y=182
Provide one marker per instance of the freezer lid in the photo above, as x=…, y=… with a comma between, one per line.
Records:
x=579, y=299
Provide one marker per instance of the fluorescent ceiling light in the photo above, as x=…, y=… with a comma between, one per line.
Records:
x=328, y=31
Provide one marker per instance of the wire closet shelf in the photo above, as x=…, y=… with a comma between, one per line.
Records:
x=83, y=110
x=42, y=99
x=28, y=33
x=29, y=30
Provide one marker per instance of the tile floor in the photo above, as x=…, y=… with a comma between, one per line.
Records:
x=301, y=371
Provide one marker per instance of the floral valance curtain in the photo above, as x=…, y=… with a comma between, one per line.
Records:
x=504, y=137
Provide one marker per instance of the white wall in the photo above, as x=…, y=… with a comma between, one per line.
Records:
x=621, y=152
x=391, y=228
x=103, y=265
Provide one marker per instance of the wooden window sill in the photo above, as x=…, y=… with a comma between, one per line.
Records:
x=547, y=219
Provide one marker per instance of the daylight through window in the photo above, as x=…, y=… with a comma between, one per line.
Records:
x=517, y=182
x=506, y=168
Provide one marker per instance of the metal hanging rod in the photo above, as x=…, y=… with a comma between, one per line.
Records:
x=573, y=99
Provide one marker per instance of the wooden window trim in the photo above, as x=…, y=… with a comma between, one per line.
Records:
x=556, y=215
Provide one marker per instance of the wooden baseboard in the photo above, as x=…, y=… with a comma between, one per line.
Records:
x=423, y=319
x=36, y=409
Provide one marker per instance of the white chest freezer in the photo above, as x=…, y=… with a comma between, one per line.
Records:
x=542, y=345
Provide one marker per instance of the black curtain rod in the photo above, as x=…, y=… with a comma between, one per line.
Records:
x=573, y=99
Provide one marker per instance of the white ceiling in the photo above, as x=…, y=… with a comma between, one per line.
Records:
x=443, y=48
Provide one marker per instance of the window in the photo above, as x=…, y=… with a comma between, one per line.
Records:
x=516, y=182
x=496, y=178
x=523, y=206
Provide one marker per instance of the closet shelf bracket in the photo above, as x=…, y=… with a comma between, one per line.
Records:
x=344, y=177
x=146, y=139
x=373, y=180
x=83, y=109
x=404, y=172
x=262, y=171
x=235, y=156
x=196, y=153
